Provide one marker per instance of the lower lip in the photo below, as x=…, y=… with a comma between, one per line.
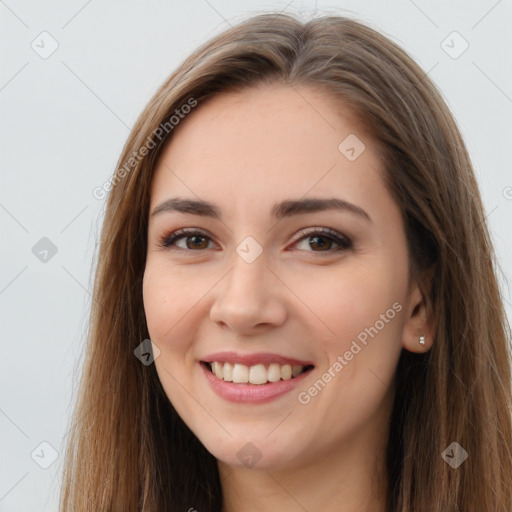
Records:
x=251, y=393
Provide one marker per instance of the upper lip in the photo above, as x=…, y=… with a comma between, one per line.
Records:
x=253, y=359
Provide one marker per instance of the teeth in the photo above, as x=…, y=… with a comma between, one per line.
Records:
x=297, y=370
x=240, y=373
x=227, y=372
x=274, y=372
x=257, y=374
x=286, y=372
x=218, y=369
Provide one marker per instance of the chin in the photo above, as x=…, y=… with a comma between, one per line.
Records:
x=254, y=453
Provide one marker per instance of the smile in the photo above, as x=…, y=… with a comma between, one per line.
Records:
x=255, y=384
x=256, y=374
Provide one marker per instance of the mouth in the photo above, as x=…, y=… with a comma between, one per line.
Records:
x=257, y=374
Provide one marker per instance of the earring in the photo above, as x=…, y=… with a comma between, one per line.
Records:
x=422, y=340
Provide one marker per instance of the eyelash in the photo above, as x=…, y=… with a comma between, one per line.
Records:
x=342, y=241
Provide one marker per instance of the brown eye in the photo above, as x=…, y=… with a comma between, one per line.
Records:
x=194, y=240
x=323, y=240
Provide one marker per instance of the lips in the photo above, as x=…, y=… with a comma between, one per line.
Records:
x=260, y=368
x=265, y=358
x=243, y=392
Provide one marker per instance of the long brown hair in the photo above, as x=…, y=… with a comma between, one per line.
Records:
x=128, y=449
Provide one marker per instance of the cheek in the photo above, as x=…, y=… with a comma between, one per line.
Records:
x=165, y=306
x=175, y=302
x=156, y=301
x=364, y=308
x=343, y=301
x=165, y=302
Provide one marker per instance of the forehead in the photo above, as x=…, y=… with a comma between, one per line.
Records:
x=268, y=142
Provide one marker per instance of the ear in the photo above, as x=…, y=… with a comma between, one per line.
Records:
x=419, y=320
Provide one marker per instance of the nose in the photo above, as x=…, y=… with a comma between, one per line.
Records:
x=250, y=298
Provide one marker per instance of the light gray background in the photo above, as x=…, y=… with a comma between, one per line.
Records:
x=64, y=120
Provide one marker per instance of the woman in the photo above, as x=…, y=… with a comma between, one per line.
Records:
x=296, y=226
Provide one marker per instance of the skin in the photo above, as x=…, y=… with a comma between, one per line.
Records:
x=244, y=152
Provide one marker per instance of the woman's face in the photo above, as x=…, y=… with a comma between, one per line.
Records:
x=297, y=263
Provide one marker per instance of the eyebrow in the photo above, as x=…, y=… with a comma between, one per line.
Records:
x=280, y=210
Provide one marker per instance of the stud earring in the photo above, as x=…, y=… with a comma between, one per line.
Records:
x=422, y=340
